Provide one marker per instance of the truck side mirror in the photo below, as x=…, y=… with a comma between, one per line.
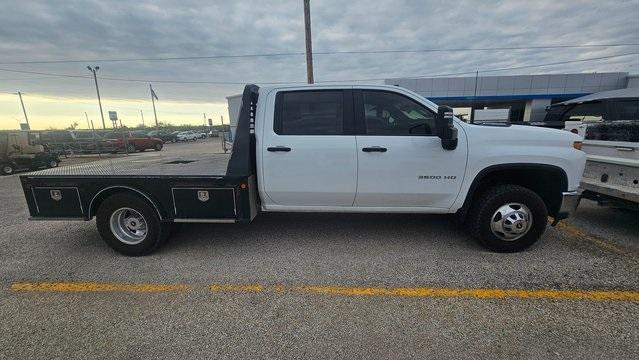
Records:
x=445, y=128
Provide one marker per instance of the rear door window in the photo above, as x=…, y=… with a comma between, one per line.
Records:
x=622, y=125
x=310, y=113
x=627, y=110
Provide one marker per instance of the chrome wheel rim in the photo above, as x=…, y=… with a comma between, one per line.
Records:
x=511, y=221
x=7, y=169
x=53, y=164
x=128, y=226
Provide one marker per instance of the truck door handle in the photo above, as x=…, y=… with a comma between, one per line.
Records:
x=374, y=149
x=279, y=148
x=623, y=148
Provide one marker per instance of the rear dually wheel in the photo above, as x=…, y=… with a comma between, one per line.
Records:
x=130, y=225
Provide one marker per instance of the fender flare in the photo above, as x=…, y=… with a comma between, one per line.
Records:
x=482, y=174
x=128, y=188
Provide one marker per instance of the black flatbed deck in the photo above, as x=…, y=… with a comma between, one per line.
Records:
x=195, y=187
x=172, y=183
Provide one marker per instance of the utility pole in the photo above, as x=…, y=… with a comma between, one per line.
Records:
x=87, y=117
x=23, y=110
x=142, y=114
x=97, y=89
x=153, y=97
x=472, y=106
x=309, y=45
x=204, y=119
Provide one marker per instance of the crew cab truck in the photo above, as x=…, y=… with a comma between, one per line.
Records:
x=315, y=148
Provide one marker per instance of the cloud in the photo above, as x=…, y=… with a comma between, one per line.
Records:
x=91, y=29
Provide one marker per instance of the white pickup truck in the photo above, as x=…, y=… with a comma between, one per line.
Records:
x=320, y=148
x=609, y=123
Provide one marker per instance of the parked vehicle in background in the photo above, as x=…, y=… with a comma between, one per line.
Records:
x=71, y=141
x=609, y=123
x=338, y=148
x=213, y=133
x=188, y=135
x=131, y=142
x=202, y=134
x=19, y=152
x=163, y=135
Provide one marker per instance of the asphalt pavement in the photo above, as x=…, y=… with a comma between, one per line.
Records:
x=318, y=286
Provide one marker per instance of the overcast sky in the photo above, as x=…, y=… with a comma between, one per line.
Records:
x=62, y=30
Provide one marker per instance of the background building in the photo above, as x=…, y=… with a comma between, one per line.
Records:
x=526, y=95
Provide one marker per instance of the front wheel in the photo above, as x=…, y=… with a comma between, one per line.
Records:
x=130, y=148
x=508, y=218
x=6, y=169
x=52, y=164
x=158, y=147
x=130, y=225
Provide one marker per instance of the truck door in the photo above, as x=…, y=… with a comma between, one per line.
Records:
x=308, y=155
x=401, y=160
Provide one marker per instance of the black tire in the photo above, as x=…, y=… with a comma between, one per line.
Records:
x=486, y=205
x=6, y=169
x=156, y=234
x=130, y=148
x=52, y=164
x=158, y=147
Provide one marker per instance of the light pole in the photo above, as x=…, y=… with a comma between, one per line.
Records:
x=153, y=98
x=97, y=89
x=24, y=111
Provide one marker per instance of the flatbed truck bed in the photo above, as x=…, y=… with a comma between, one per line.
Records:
x=185, y=188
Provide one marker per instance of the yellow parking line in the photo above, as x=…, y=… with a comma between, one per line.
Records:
x=235, y=288
x=475, y=293
x=402, y=292
x=601, y=243
x=427, y=292
x=97, y=287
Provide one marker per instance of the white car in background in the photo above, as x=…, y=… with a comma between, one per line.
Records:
x=188, y=136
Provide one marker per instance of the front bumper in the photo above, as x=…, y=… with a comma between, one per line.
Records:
x=569, y=202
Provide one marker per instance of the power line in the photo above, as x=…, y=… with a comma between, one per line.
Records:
x=47, y=74
x=493, y=70
x=32, y=78
x=349, y=52
x=325, y=81
x=113, y=100
x=533, y=66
